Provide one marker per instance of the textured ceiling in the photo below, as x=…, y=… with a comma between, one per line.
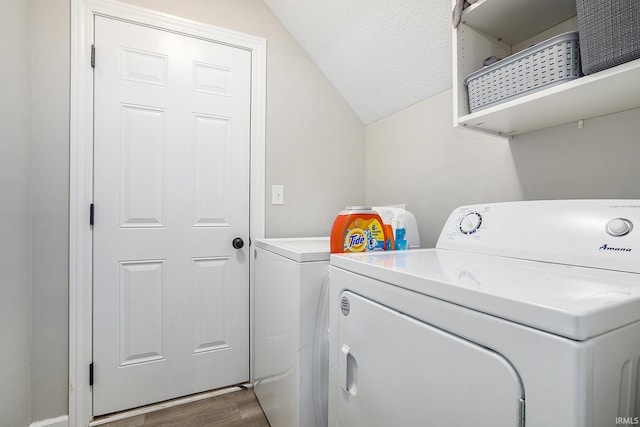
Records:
x=381, y=55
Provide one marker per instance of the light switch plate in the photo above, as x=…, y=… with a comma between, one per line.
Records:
x=277, y=194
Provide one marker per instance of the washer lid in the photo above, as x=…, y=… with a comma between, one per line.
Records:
x=575, y=302
x=299, y=249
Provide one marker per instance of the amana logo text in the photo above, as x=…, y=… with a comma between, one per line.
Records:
x=606, y=247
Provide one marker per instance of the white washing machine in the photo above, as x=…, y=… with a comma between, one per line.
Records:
x=291, y=321
x=525, y=313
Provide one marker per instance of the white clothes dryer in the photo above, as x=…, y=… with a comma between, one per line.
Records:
x=525, y=314
x=291, y=321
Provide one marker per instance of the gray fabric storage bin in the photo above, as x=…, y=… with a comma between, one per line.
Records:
x=538, y=67
x=609, y=33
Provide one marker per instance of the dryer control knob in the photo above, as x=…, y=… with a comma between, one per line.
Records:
x=470, y=223
x=619, y=227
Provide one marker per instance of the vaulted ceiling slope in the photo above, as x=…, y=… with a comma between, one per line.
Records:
x=381, y=55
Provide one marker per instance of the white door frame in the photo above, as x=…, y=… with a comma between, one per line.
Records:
x=81, y=171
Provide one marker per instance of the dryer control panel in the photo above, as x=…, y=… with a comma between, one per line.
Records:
x=590, y=233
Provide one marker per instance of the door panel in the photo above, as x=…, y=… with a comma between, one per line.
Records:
x=211, y=170
x=141, y=307
x=171, y=191
x=394, y=370
x=142, y=174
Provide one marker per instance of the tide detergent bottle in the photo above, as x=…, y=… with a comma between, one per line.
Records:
x=358, y=229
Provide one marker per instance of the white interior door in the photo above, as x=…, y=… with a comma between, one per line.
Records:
x=171, y=192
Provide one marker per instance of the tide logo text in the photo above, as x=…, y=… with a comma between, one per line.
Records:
x=355, y=241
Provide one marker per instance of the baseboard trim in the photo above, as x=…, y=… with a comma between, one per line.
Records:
x=164, y=405
x=61, y=421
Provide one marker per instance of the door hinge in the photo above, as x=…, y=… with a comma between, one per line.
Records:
x=91, y=373
x=91, y=210
x=93, y=56
x=522, y=413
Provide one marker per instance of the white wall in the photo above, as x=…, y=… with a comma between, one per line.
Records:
x=315, y=142
x=416, y=157
x=602, y=160
x=50, y=32
x=15, y=214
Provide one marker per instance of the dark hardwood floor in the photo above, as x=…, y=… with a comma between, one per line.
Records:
x=237, y=409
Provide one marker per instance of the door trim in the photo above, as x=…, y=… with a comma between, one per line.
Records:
x=81, y=171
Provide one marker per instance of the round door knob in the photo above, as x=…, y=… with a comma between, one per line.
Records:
x=238, y=243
